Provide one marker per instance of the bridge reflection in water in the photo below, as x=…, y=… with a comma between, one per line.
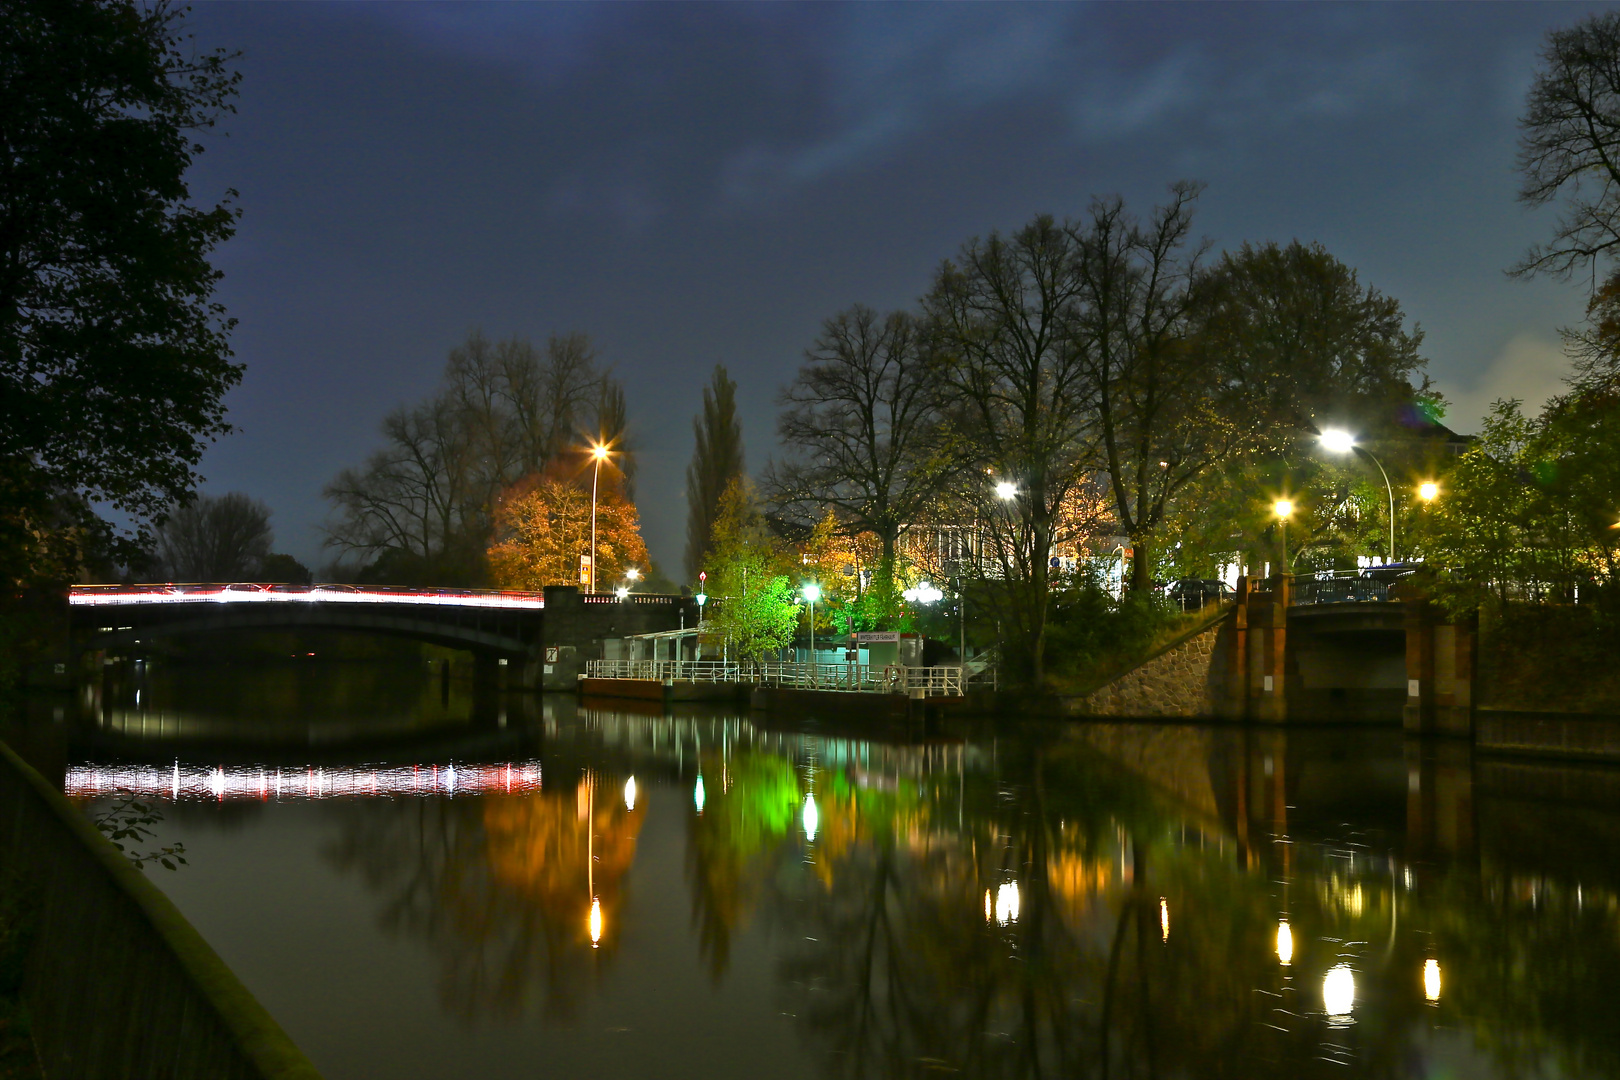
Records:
x=1104, y=899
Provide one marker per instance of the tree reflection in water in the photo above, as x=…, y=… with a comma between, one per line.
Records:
x=1044, y=911
x=501, y=887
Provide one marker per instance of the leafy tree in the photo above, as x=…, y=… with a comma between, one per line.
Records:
x=216, y=539
x=717, y=460
x=280, y=567
x=862, y=423
x=114, y=359
x=755, y=610
x=545, y=527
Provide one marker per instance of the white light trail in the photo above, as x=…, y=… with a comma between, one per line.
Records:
x=261, y=783
x=96, y=596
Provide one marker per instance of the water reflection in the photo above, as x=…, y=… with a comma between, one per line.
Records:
x=1103, y=900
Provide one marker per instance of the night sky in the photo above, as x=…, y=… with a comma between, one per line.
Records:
x=693, y=184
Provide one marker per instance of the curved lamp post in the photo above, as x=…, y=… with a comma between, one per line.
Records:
x=600, y=454
x=1338, y=441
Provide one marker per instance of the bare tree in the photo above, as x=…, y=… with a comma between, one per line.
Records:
x=1570, y=146
x=717, y=460
x=215, y=539
x=1158, y=420
x=861, y=422
x=422, y=507
x=1013, y=377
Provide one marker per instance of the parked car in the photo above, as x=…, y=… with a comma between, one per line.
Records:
x=1191, y=594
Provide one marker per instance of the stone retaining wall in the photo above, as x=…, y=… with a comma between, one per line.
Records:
x=118, y=983
x=1184, y=680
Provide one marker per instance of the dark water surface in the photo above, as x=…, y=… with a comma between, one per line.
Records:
x=540, y=888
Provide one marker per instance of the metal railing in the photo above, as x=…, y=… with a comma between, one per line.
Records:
x=1340, y=589
x=942, y=681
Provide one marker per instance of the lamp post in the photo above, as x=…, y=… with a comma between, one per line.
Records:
x=812, y=593
x=599, y=453
x=1283, y=508
x=1338, y=441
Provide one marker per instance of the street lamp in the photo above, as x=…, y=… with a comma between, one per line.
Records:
x=1007, y=489
x=812, y=593
x=1428, y=491
x=1283, y=508
x=600, y=453
x=1338, y=441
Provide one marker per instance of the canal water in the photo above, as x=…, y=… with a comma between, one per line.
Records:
x=416, y=884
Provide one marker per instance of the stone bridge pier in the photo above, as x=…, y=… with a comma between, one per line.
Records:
x=1270, y=660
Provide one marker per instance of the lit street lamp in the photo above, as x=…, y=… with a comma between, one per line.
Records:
x=600, y=453
x=1428, y=491
x=1007, y=489
x=812, y=593
x=1337, y=441
x=1283, y=508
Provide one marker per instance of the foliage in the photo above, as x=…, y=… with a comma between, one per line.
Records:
x=421, y=509
x=1529, y=511
x=227, y=538
x=755, y=611
x=129, y=819
x=280, y=567
x=1094, y=635
x=112, y=347
x=717, y=460
x=544, y=528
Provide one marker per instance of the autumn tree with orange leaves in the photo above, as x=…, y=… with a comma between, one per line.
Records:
x=543, y=527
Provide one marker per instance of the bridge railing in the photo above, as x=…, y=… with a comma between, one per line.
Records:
x=942, y=681
x=1340, y=589
x=260, y=592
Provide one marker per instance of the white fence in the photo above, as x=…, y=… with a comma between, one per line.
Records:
x=862, y=678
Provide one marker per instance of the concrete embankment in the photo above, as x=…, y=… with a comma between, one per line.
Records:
x=117, y=982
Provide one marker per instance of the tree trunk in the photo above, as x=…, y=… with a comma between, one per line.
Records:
x=1141, y=564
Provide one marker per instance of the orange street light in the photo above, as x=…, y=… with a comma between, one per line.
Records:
x=1428, y=491
x=599, y=452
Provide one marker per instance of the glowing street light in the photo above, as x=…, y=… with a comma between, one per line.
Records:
x=630, y=794
x=923, y=594
x=622, y=592
x=1007, y=489
x=599, y=452
x=1337, y=441
x=633, y=574
x=1285, y=943
x=596, y=923
x=1283, y=508
x=697, y=795
x=1164, y=919
x=811, y=818
x=1428, y=491
x=812, y=593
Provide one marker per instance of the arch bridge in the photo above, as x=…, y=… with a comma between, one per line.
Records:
x=504, y=624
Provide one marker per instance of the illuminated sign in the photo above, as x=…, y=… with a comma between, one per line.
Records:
x=98, y=596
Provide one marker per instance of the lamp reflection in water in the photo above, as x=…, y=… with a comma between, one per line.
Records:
x=596, y=923
x=1002, y=909
x=1164, y=919
x=1431, y=980
x=1285, y=943
x=697, y=794
x=630, y=794
x=1339, y=993
x=812, y=818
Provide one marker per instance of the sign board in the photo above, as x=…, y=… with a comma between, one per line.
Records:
x=866, y=636
x=551, y=653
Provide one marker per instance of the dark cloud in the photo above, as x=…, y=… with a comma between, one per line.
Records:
x=692, y=184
